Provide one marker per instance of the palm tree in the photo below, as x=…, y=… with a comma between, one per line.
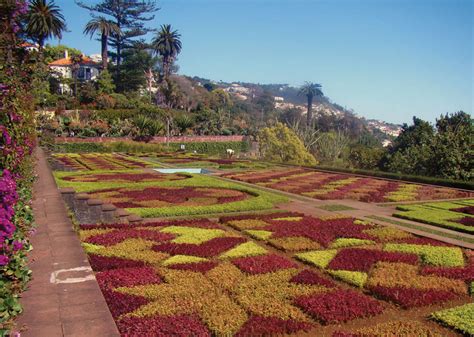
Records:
x=105, y=28
x=168, y=45
x=310, y=89
x=44, y=20
x=76, y=61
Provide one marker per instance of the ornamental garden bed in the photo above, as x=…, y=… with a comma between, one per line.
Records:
x=456, y=215
x=97, y=161
x=152, y=194
x=393, y=265
x=330, y=186
x=198, y=277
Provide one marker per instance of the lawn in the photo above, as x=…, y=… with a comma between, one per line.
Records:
x=152, y=194
x=455, y=215
x=331, y=186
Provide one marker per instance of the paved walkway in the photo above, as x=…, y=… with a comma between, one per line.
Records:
x=63, y=298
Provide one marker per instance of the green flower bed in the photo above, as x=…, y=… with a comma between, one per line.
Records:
x=437, y=214
x=432, y=255
x=461, y=318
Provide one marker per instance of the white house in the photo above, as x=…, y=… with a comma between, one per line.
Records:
x=88, y=69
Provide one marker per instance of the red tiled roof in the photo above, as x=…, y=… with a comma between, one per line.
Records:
x=67, y=62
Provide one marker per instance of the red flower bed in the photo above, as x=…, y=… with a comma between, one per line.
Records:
x=100, y=263
x=201, y=267
x=378, y=194
x=467, y=210
x=263, y=264
x=268, y=326
x=363, y=259
x=209, y=248
x=127, y=277
x=135, y=177
x=466, y=273
x=117, y=236
x=202, y=223
x=183, y=325
x=410, y=297
x=120, y=304
x=467, y=221
x=339, y=306
x=321, y=231
x=310, y=277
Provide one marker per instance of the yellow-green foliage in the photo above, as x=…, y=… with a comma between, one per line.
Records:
x=294, y=243
x=460, y=318
x=433, y=255
x=248, y=223
x=289, y=218
x=178, y=259
x=356, y=278
x=349, y=242
x=259, y=234
x=279, y=143
x=245, y=249
x=387, y=233
x=193, y=235
x=320, y=258
x=91, y=249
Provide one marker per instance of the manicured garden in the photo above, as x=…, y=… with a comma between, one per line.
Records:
x=153, y=194
x=456, y=215
x=330, y=186
x=97, y=161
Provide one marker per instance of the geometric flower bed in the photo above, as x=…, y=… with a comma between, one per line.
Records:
x=153, y=194
x=456, y=215
x=461, y=318
x=98, y=161
x=330, y=186
x=195, y=277
x=393, y=265
x=394, y=328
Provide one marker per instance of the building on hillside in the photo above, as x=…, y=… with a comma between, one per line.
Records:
x=236, y=88
x=29, y=46
x=278, y=99
x=62, y=68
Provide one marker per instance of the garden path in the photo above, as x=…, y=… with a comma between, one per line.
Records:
x=63, y=298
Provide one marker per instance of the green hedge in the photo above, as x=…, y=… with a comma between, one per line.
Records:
x=210, y=148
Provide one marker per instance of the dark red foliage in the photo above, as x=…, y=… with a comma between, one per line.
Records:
x=268, y=326
x=136, y=177
x=424, y=241
x=321, y=231
x=467, y=210
x=339, y=306
x=160, y=326
x=467, y=221
x=310, y=277
x=263, y=264
x=100, y=263
x=363, y=259
x=117, y=236
x=202, y=223
x=410, y=297
x=127, y=277
x=209, y=248
x=120, y=304
x=466, y=273
x=201, y=267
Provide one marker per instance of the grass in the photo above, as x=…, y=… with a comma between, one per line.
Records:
x=336, y=208
x=422, y=228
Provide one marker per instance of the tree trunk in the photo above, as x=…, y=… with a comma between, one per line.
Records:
x=104, y=51
x=309, y=113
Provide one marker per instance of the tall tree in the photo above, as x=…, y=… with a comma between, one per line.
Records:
x=105, y=28
x=44, y=20
x=310, y=90
x=167, y=44
x=130, y=16
x=76, y=61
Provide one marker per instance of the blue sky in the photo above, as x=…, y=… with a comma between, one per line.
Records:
x=386, y=59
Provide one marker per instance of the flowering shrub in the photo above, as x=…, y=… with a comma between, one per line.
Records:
x=17, y=140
